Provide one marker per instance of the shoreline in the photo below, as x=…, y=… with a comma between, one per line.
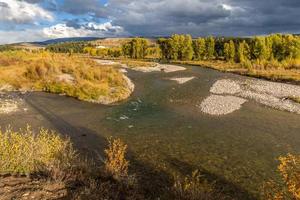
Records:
x=242, y=71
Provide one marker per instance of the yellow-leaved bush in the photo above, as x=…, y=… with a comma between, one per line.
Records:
x=116, y=163
x=24, y=152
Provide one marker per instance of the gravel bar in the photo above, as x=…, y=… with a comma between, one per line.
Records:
x=271, y=94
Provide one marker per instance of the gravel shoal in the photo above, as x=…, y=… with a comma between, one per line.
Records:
x=106, y=62
x=280, y=90
x=272, y=101
x=160, y=67
x=221, y=105
x=271, y=94
x=182, y=80
x=225, y=86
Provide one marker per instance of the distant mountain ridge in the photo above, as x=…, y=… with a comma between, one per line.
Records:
x=71, y=39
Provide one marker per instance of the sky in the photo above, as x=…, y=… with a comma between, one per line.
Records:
x=39, y=20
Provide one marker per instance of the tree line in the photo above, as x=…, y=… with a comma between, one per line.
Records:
x=67, y=47
x=273, y=47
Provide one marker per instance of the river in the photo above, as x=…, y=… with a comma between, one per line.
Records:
x=167, y=133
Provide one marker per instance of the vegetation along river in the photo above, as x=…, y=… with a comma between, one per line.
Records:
x=167, y=133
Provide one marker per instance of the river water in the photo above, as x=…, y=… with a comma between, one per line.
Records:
x=167, y=133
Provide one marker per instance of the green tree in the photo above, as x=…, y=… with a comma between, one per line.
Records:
x=199, y=48
x=136, y=48
x=259, y=49
x=187, y=50
x=243, y=53
x=210, y=47
x=229, y=51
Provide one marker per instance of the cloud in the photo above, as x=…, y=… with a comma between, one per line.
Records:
x=79, y=7
x=149, y=18
x=89, y=29
x=28, y=35
x=164, y=17
x=205, y=17
x=20, y=12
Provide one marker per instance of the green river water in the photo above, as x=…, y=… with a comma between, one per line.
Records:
x=167, y=133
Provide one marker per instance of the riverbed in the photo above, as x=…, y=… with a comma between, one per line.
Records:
x=167, y=132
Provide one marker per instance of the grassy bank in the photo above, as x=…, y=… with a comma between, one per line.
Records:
x=71, y=75
x=285, y=73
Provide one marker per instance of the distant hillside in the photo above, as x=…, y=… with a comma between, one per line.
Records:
x=60, y=40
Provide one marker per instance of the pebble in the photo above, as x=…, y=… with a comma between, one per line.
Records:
x=271, y=94
x=221, y=105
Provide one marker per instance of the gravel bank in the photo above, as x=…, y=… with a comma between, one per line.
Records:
x=106, y=100
x=10, y=103
x=225, y=86
x=274, y=95
x=106, y=62
x=182, y=80
x=157, y=68
x=160, y=67
x=221, y=105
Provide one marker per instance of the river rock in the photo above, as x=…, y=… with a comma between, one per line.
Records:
x=221, y=105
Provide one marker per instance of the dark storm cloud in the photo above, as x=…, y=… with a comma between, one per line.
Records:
x=80, y=7
x=218, y=17
x=198, y=17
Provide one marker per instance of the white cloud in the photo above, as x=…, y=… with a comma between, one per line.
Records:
x=7, y=37
x=22, y=12
x=61, y=31
x=89, y=29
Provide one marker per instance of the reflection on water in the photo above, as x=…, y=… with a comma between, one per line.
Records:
x=166, y=131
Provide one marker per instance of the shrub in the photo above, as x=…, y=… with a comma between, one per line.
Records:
x=24, y=152
x=45, y=72
x=193, y=187
x=116, y=163
x=289, y=169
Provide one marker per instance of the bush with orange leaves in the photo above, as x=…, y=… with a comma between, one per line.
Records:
x=289, y=169
x=116, y=163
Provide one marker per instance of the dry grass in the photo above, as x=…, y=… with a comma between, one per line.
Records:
x=285, y=71
x=289, y=170
x=87, y=80
x=24, y=152
x=131, y=63
x=194, y=187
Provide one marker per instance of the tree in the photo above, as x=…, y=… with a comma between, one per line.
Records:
x=259, y=49
x=136, y=48
x=187, y=50
x=164, y=45
x=199, y=48
x=210, y=47
x=291, y=46
x=229, y=51
x=243, y=53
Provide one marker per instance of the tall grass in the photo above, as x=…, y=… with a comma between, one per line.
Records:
x=59, y=73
